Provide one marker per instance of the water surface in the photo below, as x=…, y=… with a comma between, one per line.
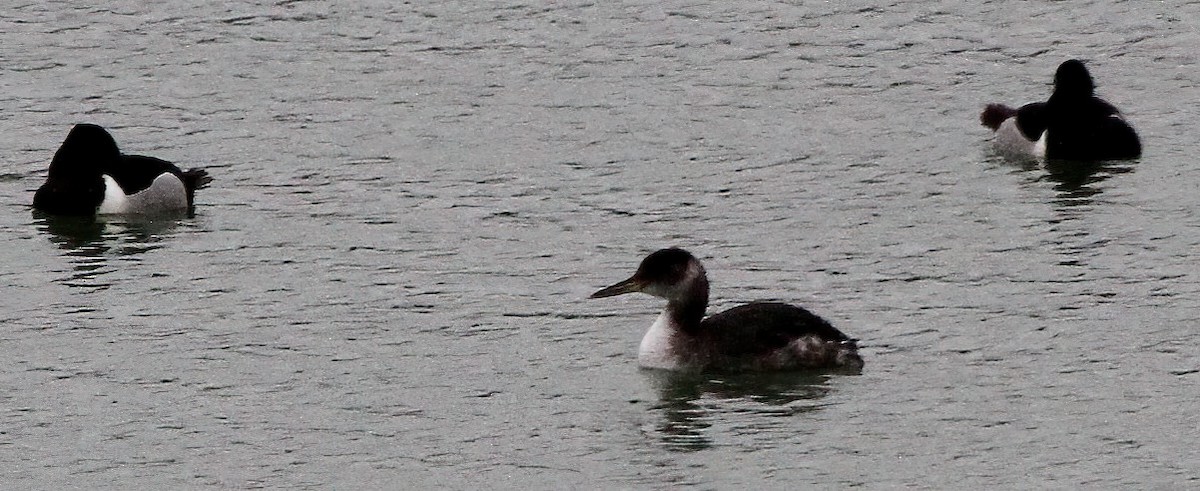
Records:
x=386, y=284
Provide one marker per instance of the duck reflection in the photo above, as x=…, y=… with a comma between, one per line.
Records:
x=1077, y=182
x=90, y=242
x=1076, y=185
x=689, y=401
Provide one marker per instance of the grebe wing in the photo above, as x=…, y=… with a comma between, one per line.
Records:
x=761, y=327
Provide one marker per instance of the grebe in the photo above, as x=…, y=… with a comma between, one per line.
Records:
x=1073, y=124
x=755, y=336
x=90, y=176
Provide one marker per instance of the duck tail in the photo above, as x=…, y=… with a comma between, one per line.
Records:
x=994, y=114
x=847, y=355
x=194, y=179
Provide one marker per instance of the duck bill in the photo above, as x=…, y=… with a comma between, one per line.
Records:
x=628, y=286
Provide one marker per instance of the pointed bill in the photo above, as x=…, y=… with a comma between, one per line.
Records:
x=628, y=286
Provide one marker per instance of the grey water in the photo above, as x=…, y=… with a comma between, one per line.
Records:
x=385, y=286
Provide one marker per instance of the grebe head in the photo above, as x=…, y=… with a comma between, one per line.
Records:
x=1073, y=79
x=673, y=274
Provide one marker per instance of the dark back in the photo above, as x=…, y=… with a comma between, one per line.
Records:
x=751, y=329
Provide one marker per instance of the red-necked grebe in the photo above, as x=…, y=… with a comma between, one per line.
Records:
x=754, y=336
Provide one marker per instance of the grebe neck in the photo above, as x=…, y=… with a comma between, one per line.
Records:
x=687, y=310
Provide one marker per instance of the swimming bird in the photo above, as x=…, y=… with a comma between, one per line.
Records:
x=754, y=336
x=89, y=175
x=1074, y=124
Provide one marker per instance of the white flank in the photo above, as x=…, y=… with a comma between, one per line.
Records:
x=1010, y=140
x=1039, y=147
x=115, y=200
x=166, y=193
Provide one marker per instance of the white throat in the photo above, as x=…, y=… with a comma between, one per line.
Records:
x=656, y=348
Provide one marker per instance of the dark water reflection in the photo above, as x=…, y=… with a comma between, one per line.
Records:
x=689, y=402
x=1074, y=181
x=1078, y=182
x=89, y=242
x=1076, y=188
